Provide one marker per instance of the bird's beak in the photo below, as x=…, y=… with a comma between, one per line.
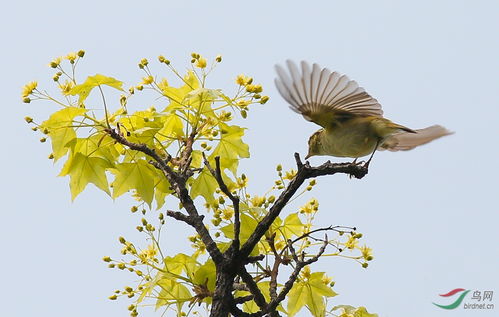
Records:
x=308, y=155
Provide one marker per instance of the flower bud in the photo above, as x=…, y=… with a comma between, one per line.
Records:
x=28, y=119
x=81, y=53
x=218, y=58
x=106, y=259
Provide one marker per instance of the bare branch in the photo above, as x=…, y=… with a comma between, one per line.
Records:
x=185, y=218
x=253, y=259
x=253, y=288
x=300, y=264
x=305, y=171
x=243, y=299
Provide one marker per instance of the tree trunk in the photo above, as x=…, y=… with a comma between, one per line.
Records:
x=222, y=297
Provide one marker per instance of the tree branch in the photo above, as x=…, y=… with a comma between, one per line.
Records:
x=243, y=299
x=305, y=171
x=217, y=173
x=253, y=288
x=178, y=183
x=292, y=279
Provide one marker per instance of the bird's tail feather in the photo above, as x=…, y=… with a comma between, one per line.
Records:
x=405, y=141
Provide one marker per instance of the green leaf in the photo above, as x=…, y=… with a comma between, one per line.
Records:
x=311, y=293
x=201, y=100
x=172, y=293
x=138, y=175
x=60, y=129
x=83, y=90
x=181, y=263
x=161, y=190
x=206, y=274
x=82, y=170
x=248, y=224
x=177, y=95
x=292, y=226
x=98, y=145
x=297, y=298
x=173, y=127
x=204, y=185
x=318, y=286
x=230, y=147
x=356, y=312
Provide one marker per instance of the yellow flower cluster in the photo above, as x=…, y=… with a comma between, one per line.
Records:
x=310, y=207
x=148, y=254
x=243, y=80
x=198, y=60
x=66, y=87
x=367, y=253
x=29, y=88
x=290, y=174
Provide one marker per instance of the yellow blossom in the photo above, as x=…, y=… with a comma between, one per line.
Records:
x=243, y=103
x=257, y=201
x=326, y=279
x=290, y=174
x=279, y=245
x=227, y=213
x=305, y=273
x=147, y=80
x=201, y=62
x=71, y=57
x=264, y=99
x=66, y=87
x=243, y=80
x=55, y=62
x=367, y=253
x=242, y=182
x=149, y=253
x=351, y=243
x=28, y=88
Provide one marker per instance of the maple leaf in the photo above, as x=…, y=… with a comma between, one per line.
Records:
x=83, y=90
x=83, y=169
x=60, y=131
x=138, y=176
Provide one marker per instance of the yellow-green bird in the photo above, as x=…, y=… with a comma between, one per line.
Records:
x=352, y=121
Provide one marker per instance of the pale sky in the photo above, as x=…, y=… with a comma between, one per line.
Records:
x=430, y=215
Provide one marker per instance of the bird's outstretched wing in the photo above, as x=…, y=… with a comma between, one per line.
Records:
x=321, y=95
x=405, y=141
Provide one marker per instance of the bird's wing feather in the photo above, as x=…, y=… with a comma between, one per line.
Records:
x=405, y=141
x=319, y=94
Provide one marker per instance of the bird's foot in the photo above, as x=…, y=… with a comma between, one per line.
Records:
x=357, y=163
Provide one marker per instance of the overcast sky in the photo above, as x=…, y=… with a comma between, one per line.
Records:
x=431, y=214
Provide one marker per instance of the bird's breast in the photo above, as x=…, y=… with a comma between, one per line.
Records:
x=355, y=138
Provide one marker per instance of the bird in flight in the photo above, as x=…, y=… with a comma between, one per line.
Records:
x=352, y=121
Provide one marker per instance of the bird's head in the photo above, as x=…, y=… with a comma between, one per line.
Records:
x=314, y=144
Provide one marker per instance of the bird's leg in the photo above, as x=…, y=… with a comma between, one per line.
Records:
x=371, y=157
x=355, y=162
